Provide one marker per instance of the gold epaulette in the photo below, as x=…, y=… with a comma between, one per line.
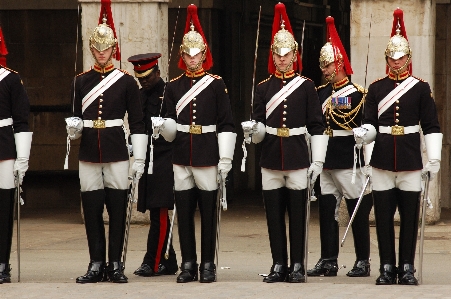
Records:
x=379, y=79
x=214, y=76
x=322, y=86
x=422, y=80
x=83, y=72
x=176, y=78
x=360, y=88
x=305, y=77
x=265, y=80
x=12, y=71
x=124, y=71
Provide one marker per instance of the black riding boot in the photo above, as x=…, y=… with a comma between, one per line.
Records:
x=297, y=208
x=361, y=233
x=384, y=210
x=6, y=232
x=93, y=204
x=328, y=227
x=208, y=212
x=186, y=203
x=275, y=207
x=409, y=209
x=116, y=204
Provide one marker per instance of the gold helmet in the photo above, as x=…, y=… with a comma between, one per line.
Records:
x=327, y=55
x=192, y=43
x=103, y=37
x=283, y=41
x=397, y=46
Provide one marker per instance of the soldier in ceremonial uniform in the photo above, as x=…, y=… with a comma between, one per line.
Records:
x=156, y=187
x=102, y=96
x=14, y=153
x=342, y=106
x=396, y=106
x=286, y=104
x=199, y=117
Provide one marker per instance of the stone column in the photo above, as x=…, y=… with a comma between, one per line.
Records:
x=419, y=19
x=141, y=27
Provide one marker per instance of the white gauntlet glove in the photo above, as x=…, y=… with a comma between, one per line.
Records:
x=226, y=143
x=23, y=146
x=139, y=142
x=364, y=135
x=157, y=126
x=314, y=171
x=433, y=143
x=224, y=166
x=74, y=127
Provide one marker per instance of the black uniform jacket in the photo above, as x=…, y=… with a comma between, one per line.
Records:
x=416, y=106
x=340, y=149
x=156, y=190
x=210, y=107
x=108, y=144
x=301, y=108
x=13, y=104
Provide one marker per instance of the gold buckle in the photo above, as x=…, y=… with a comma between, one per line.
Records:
x=397, y=130
x=98, y=124
x=195, y=129
x=329, y=132
x=283, y=132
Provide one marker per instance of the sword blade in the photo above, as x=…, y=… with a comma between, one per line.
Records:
x=423, y=224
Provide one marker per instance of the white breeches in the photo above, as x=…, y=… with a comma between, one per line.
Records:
x=95, y=176
x=7, y=174
x=292, y=179
x=403, y=180
x=187, y=177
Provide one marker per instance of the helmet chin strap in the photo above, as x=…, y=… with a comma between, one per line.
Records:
x=401, y=69
x=198, y=65
x=288, y=66
x=334, y=73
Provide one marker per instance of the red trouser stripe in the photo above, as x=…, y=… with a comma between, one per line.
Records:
x=163, y=229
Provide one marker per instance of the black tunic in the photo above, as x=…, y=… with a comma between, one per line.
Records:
x=210, y=107
x=156, y=190
x=14, y=104
x=302, y=109
x=108, y=144
x=416, y=106
x=340, y=149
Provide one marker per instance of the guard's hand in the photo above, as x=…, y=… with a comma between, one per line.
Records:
x=20, y=167
x=224, y=166
x=367, y=171
x=157, y=126
x=138, y=168
x=433, y=166
x=314, y=171
x=359, y=136
x=74, y=127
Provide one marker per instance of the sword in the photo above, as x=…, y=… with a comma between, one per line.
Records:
x=221, y=201
x=423, y=224
x=355, y=209
x=18, y=202
x=302, y=44
x=307, y=220
x=128, y=217
x=166, y=255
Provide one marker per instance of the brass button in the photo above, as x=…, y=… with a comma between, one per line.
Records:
x=99, y=118
x=284, y=126
x=397, y=101
x=193, y=123
x=284, y=119
x=397, y=114
x=100, y=112
x=194, y=117
x=100, y=106
x=284, y=106
x=284, y=100
x=284, y=82
x=194, y=111
x=101, y=94
x=396, y=120
x=397, y=108
x=284, y=113
x=194, y=104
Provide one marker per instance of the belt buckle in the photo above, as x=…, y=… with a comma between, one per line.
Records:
x=397, y=130
x=329, y=132
x=98, y=124
x=195, y=129
x=283, y=132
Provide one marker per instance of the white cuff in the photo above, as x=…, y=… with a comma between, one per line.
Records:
x=319, y=147
x=23, y=144
x=226, y=142
x=433, y=143
x=139, y=143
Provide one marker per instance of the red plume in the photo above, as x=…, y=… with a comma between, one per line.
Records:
x=192, y=16
x=3, y=50
x=105, y=9
x=398, y=18
x=280, y=14
x=334, y=39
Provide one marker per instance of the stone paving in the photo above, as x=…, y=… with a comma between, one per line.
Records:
x=54, y=252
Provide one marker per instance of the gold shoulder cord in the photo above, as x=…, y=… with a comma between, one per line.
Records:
x=342, y=119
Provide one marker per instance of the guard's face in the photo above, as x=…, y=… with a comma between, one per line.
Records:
x=329, y=72
x=192, y=61
x=282, y=62
x=398, y=64
x=102, y=57
x=149, y=81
